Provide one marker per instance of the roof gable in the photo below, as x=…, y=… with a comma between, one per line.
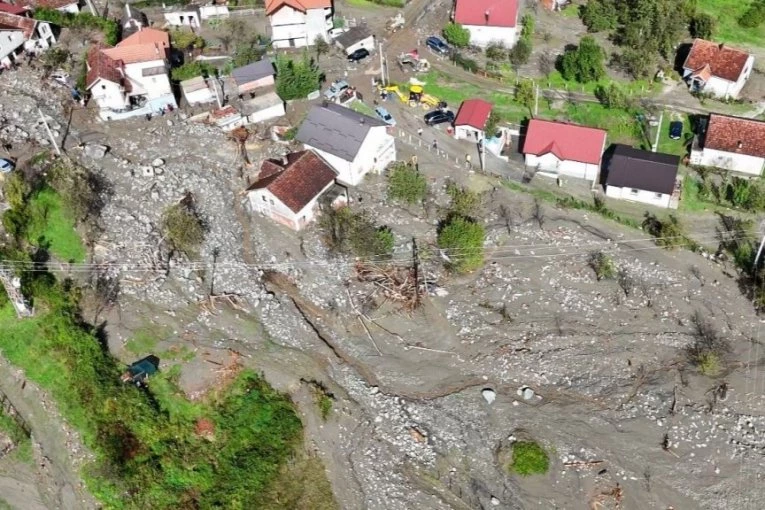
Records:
x=18, y=10
x=336, y=130
x=147, y=36
x=299, y=5
x=492, y=13
x=722, y=61
x=135, y=53
x=12, y=21
x=102, y=66
x=638, y=169
x=298, y=182
x=253, y=72
x=735, y=135
x=473, y=113
x=566, y=141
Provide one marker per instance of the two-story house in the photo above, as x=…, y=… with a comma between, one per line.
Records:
x=489, y=21
x=717, y=69
x=352, y=143
x=730, y=143
x=297, y=23
x=11, y=39
x=131, y=78
x=38, y=35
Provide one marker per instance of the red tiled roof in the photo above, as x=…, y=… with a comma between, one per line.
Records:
x=566, y=141
x=136, y=53
x=724, y=62
x=298, y=182
x=147, y=36
x=493, y=13
x=48, y=4
x=100, y=65
x=18, y=10
x=26, y=25
x=473, y=113
x=299, y=5
x=736, y=135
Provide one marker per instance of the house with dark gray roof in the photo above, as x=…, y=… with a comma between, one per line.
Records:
x=351, y=142
x=642, y=176
x=252, y=77
x=356, y=38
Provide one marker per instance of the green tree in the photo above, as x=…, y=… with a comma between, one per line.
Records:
x=247, y=53
x=457, y=35
x=521, y=52
x=186, y=39
x=599, y=15
x=585, y=63
x=191, y=70
x=345, y=232
x=603, y=265
x=16, y=190
x=669, y=232
x=528, y=21
x=296, y=79
x=524, y=94
x=612, y=96
x=461, y=239
x=496, y=52
x=406, y=184
x=492, y=123
x=183, y=229
x=754, y=15
x=702, y=25
x=464, y=202
x=321, y=46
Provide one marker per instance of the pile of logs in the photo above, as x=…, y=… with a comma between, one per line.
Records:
x=393, y=283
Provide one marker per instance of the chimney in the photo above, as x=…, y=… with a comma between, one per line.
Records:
x=361, y=120
x=486, y=14
x=721, y=45
x=740, y=144
x=285, y=160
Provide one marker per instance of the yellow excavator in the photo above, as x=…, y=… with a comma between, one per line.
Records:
x=416, y=95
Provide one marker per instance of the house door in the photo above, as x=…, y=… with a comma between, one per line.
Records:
x=292, y=43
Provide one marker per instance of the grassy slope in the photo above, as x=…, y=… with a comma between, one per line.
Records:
x=54, y=223
x=726, y=13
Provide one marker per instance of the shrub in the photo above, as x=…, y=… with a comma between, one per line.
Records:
x=702, y=25
x=191, y=70
x=754, y=15
x=708, y=348
x=468, y=64
x=603, y=266
x=82, y=20
x=464, y=202
x=185, y=39
x=496, y=52
x=183, y=228
x=599, y=15
x=669, y=233
x=529, y=458
x=457, y=35
x=462, y=241
x=585, y=63
x=296, y=79
x=346, y=232
x=612, y=97
x=521, y=52
x=406, y=184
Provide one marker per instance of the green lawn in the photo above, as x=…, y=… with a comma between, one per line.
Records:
x=689, y=200
x=362, y=107
x=726, y=14
x=677, y=147
x=633, y=87
x=621, y=125
x=52, y=222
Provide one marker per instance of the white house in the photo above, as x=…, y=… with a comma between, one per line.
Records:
x=470, y=122
x=38, y=35
x=352, y=143
x=717, y=69
x=297, y=23
x=489, y=21
x=132, y=21
x=564, y=149
x=196, y=91
x=264, y=107
x=356, y=38
x=11, y=43
x=213, y=11
x=131, y=78
x=642, y=176
x=183, y=18
x=288, y=190
x=731, y=143
x=71, y=6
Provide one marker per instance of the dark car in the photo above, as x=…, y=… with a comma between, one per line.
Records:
x=675, y=130
x=437, y=45
x=359, y=54
x=439, y=117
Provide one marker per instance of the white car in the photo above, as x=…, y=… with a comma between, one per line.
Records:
x=6, y=165
x=60, y=77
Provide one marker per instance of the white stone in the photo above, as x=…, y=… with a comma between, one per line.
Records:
x=489, y=395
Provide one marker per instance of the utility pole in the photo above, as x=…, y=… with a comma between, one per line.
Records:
x=658, y=132
x=482, y=153
x=416, y=264
x=759, y=250
x=50, y=134
x=382, y=66
x=536, y=99
x=215, y=89
x=93, y=9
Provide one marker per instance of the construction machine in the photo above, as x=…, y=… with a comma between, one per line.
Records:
x=412, y=60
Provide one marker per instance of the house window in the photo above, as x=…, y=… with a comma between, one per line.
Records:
x=271, y=201
x=658, y=195
x=103, y=87
x=263, y=197
x=633, y=191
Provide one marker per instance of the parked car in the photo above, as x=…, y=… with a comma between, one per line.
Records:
x=60, y=77
x=385, y=116
x=336, y=89
x=437, y=45
x=439, y=117
x=675, y=129
x=359, y=54
x=6, y=165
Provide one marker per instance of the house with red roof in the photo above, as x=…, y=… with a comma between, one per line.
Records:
x=288, y=190
x=131, y=78
x=297, y=23
x=716, y=69
x=564, y=149
x=470, y=122
x=489, y=21
x=730, y=143
x=71, y=6
x=38, y=35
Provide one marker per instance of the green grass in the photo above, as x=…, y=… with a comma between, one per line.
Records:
x=362, y=107
x=670, y=146
x=145, y=443
x=726, y=14
x=690, y=200
x=621, y=125
x=53, y=223
x=634, y=87
x=142, y=343
x=529, y=458
x=23, y=449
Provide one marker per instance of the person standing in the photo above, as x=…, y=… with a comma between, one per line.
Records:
x=419, y=131
x=435, y=145
x=468, y=161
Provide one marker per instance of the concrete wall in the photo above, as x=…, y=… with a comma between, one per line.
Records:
x=200, y=96
x=183, y=18
x=271, y=112
x=483, y=36
x=213, y=11
x=551, y=164
x=639, y=195
x=468, y=133
x=743, y=163
x=10, y=42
